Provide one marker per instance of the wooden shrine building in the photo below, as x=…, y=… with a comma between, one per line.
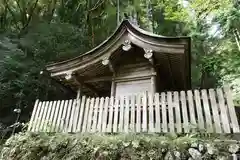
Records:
x=129, y=62
x=135, y=81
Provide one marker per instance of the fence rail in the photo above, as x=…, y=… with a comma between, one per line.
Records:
x=209, y=110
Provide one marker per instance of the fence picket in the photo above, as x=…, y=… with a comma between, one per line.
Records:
x=191, y=110
x=115, y=122
x=81, y=115
x=69, y=108
x=59, y=117
x=110, y=120
x=100, y=117
x=76, y=115
x=170, y=112
x=144, y=112
x=151, y=115
x=157, y=110
x=178, y=112
x=224, y=116
x=164, y=113
x=44, y=114
x=199, y=110
x=207, y=111
x=121, y=113
x=84, y=126
x=232, y=112
x=63, y=117
x=33, y=115
x=215, y=111
x=36, y=119
x=184, y=112
x=126, y=118
x=40, y=117
x=138, y=123
x=90, y=115
x=50, y=122
x=46, y=125
x=95, y=116
x=54, y=125
x=72, y=115
x=133, y=113
x=105, y=115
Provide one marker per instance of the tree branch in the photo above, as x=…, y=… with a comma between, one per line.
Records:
x=30, y=15
x=99, y=3
x=13, y=15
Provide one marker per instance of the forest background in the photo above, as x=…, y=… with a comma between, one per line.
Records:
x=34, y=33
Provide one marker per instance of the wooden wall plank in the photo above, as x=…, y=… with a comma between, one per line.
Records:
x=144, y=112
x=215, y=111
x=121, y=118
x=184, y=112
x=35, y=124
x=95, y=115
x=84, y=126
x=164, y=113
x=223, y=109
x=110, y=120
x=151, y=115
x=157, y=110
x=63, y=117
x=54, y=124
x=67, y=119
x=133, y=106
x=33, y=115
x=100, y=117
x=81, y=114
x=50, y=122
x=207, y=111
x=105, y=115
x=170, y=112
x=199, y=110
x=126, y=115
x=191, y=110
x=115, y=122
x=178, y=112
x=44, y=114
x=138, y=123
x=232, y=112
x=90, y=115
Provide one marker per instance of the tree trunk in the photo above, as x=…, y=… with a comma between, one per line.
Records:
x=237, y=37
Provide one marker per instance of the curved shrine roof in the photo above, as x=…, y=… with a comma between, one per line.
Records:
x=173, y=52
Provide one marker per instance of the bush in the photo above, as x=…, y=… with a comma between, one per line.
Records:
x=42, y=146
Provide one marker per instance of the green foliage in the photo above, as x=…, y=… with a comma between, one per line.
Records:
x=34, y=33
x=26, y=146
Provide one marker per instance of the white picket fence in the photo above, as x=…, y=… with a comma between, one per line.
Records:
x=209, y=110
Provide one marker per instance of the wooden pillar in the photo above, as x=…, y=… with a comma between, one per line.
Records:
x=113, y=88
x=153, y=81
x=149, y=55
x=79, y=93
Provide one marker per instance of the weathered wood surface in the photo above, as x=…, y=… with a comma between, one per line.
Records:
x=209, y=111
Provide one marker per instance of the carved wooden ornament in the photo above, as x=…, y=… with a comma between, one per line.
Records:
x=127, y=45
x=148, y=53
